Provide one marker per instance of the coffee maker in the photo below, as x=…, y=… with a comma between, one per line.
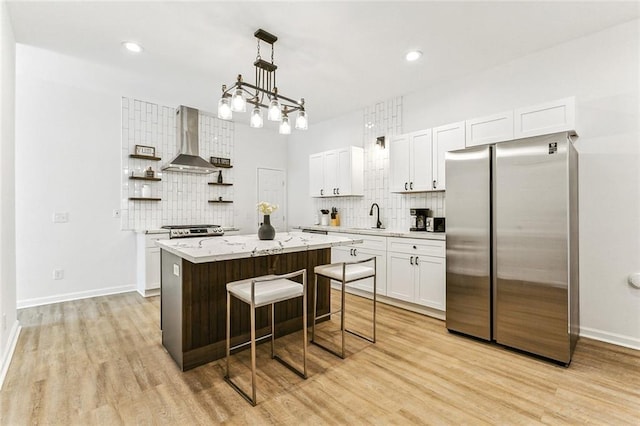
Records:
x=418, y=219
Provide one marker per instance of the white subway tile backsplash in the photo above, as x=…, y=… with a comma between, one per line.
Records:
x=184, y=196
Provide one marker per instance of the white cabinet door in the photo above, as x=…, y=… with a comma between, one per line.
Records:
x=400, y=276
x=355, y=253
x=316, y=175
x=543, y=119
x=381, y=270
x=491, y=129
x=330, y=171
x=431, y=282
x=445, y=138
x=152, y=266
x=420, y=161
x=399, y=157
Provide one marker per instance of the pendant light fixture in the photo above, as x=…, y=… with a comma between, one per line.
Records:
x=262, y=94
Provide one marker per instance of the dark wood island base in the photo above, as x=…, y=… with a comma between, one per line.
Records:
x=193, y=302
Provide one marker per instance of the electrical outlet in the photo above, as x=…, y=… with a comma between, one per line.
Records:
x=116, y=213
x=60, y=217
x=58, y=274
x=176, y=270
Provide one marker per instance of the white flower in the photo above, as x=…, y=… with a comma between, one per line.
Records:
x=267, y=208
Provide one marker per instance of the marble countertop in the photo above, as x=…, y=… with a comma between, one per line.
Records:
x=211, y=249
x=373, y=231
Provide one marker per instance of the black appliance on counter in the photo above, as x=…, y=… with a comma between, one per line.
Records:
x=418, y=219
x=186, y=231
x=435, y=224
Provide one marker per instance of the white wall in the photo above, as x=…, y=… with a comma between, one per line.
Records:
x=68, y=159
x=254, y=148
x=8, y=321
x=602, y=71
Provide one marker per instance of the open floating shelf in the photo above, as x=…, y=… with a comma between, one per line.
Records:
x=220, y=184
x=144, y=178
x=144, y=199
x=218, y=201
x=222, y=166
x=145, y=157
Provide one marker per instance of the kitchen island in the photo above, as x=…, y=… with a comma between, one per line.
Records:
x=194, y=275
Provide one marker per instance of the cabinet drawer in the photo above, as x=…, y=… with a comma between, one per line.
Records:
x=369, y=242
x=434, y=248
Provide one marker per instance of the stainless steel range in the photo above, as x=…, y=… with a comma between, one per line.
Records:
x=186, y=231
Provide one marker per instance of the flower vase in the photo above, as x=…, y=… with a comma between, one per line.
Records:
x=266, y=231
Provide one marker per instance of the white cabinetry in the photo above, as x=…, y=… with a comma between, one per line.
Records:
x=370, y=247
x=543, y=119
x=449, y=137
x=410, y=162
x=148, y=263
x=339, y=172
x=416, y=271
x=491, y=129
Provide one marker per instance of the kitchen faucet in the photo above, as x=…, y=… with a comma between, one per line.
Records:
x=378, y=223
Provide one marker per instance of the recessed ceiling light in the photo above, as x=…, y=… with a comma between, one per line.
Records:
x=414, y=55
x=132, y=46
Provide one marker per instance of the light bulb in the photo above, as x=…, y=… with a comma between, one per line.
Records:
x=238, y=102
x=224, y=109
x=301, y=121
x=285, y=127
x=256, y=118
x=274, y=113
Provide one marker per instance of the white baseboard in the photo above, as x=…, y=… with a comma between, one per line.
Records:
x=8, y=354
x=149, y=292
x=38, y=301
x=605, y=336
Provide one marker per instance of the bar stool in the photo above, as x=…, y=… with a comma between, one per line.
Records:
x=345, y=272
x=262, y=291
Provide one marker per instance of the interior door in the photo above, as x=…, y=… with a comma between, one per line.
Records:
x=272, y=189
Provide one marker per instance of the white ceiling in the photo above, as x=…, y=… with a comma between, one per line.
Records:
x=339, y=56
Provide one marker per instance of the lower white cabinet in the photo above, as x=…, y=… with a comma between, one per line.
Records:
x=416, y=271
x=148, y=263
x=371, y=246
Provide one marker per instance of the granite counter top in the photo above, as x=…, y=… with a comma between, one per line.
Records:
x=211, y=249
x=373, y=231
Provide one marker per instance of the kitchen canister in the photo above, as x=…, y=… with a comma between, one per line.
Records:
x=146, y=191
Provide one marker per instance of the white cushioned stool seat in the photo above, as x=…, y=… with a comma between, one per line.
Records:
x=266, y=292
x=352, y=272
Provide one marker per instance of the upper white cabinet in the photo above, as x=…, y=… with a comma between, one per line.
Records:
x=446, y=138
x=543, y=119
x=339, y=172
x=491, y=129
x=410, y=162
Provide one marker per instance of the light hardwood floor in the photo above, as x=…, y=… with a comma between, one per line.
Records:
x=101, y=361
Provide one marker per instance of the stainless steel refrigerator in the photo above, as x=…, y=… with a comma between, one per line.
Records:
x=512, y=244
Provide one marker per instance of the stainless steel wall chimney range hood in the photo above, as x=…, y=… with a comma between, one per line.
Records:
x=187, y=160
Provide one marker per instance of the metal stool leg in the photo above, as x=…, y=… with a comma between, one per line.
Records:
x=342, y=310
x=253, y=355
x=315, y=307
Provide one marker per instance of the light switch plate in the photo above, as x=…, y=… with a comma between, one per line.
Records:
x=176, y=269
x=60, y=217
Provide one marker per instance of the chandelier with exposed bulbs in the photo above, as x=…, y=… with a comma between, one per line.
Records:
x=262, y=95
